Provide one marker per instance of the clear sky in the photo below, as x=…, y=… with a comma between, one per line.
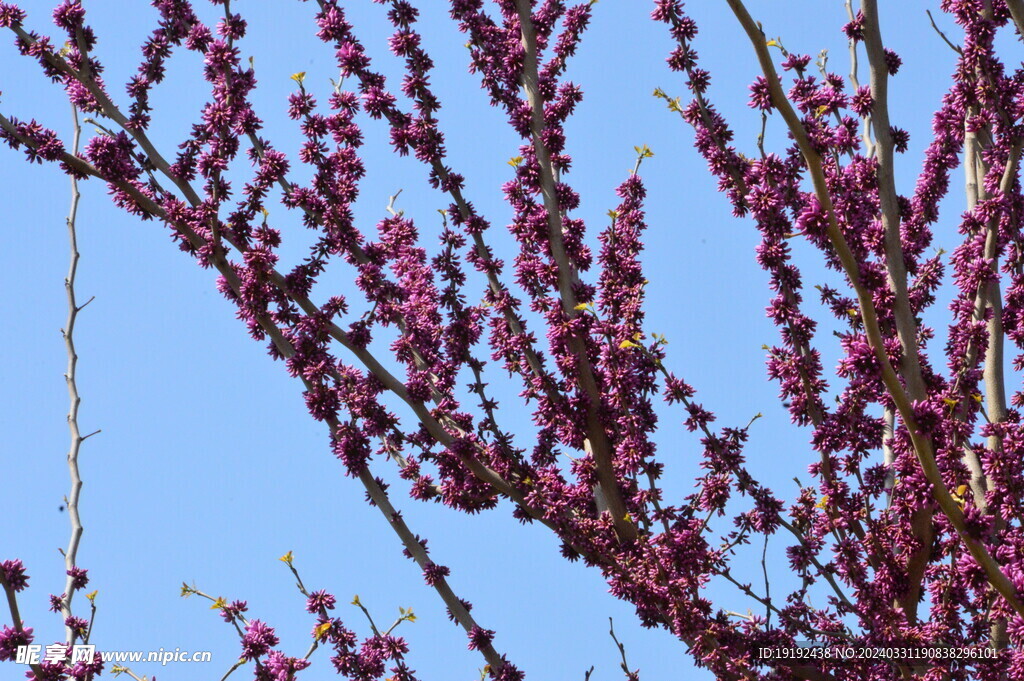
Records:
x=208, y=467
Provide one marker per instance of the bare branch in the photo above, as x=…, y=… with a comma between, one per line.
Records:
x=71, y=553
x=955, y=48
x=630, y=675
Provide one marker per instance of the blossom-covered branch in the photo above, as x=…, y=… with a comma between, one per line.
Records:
x=917, y=483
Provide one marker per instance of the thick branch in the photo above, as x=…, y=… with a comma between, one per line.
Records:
x=1016, y=8
x=600, y=443
x=906, y=325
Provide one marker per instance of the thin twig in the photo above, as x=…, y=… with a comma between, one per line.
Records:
x=231, y=671
x=630, y=675
x=391, y=204
x=869, y=145
x=955, y=48
x=767, y=584
x=415, y=548
x=117, y=670
x=12, y=606
x=75, y=400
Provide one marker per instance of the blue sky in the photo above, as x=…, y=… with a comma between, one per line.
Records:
x=208, y=467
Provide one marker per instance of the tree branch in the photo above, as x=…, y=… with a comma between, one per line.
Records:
x=922, y=444
x=71, y=553
x=600, y=443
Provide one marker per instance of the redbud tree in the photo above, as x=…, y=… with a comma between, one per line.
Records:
x=907, y=531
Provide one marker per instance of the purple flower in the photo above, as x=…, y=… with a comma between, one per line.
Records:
x=79, y=578
x=279, y=667
x=258, y=640
x=14, y=574
x=57, y=602
x=760, y=95
x=320, y=600
x=434, y=573
x=11, y=638
x=893, y=62
x=480, y=638
x=69, y=15
x=10, y=15
x=232, y=611
x=77, y=624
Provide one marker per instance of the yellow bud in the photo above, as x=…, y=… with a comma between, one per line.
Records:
x=286, y=558
x=644, y=151
x=299, y=77
x=958, y=495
